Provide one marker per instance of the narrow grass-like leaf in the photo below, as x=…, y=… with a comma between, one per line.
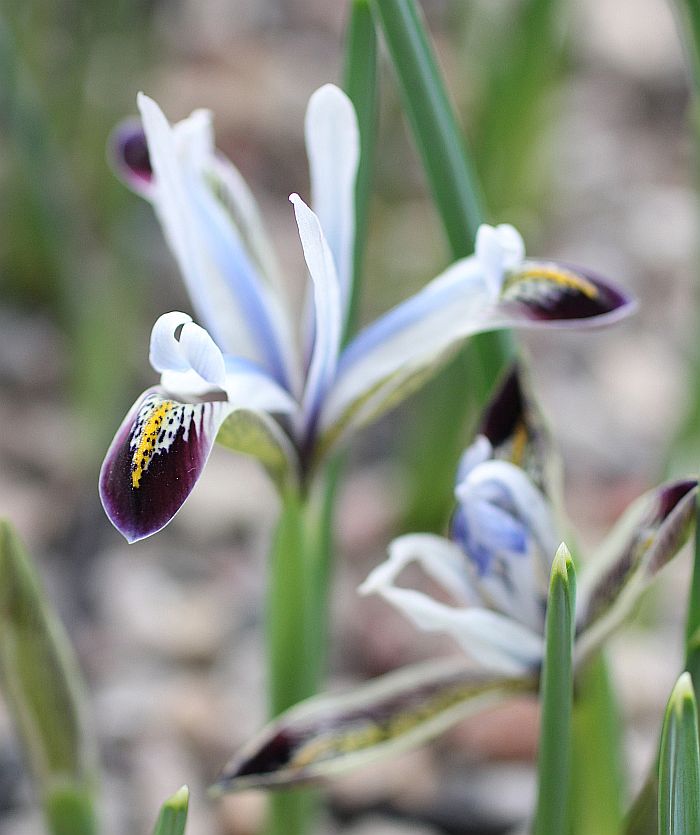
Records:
x=679, y=763
x=331, y=735
x=692, y=630
x=42, y=685
x=597, y=773
x=435, y=130
x=360, y=83
x=455, y=398
x=520, y=64
x=173, y=814
x=556, y=699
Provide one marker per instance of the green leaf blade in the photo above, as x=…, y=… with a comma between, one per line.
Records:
x=679, y=763
x=556, y=698
x=173, y=815
x=360, y=83
x=42, y=685
x=454, y=399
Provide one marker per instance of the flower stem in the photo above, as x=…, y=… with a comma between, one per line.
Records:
x=303, y=550
x=292, y=673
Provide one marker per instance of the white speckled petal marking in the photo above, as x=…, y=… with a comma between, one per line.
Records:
x=155, y=429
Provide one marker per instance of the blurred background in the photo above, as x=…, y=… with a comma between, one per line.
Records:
x=582, y=136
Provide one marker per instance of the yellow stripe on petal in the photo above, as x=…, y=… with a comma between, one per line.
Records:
x=149, y=436
x=541, y=275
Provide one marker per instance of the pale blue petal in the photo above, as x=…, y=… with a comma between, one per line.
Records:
x=220, y=277
x=327, y=309
x=333, y=148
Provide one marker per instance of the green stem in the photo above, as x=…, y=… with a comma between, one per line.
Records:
x=292, y=673
x=303, y=551
x=360, y=82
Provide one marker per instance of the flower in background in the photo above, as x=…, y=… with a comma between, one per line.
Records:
x=495, y=565
x=255, y=374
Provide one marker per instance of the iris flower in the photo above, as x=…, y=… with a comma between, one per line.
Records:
x=257, y=374
x=494, y=566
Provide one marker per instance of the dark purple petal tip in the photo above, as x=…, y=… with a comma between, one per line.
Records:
x=505, y=411
x=562, y=295
x=154, y=462
x=129, y=155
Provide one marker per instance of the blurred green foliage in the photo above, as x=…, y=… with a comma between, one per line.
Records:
x=43, y=688
x=70, y=70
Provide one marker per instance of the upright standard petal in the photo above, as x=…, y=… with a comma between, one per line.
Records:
x=333, y=148
x=327, y=310
x=506, y=528
x=238, y=309
x=331, y=735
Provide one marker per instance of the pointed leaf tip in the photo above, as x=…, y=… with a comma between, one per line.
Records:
x=173, y=814
x=563, y=561
x=679, y=763
x=683, y=691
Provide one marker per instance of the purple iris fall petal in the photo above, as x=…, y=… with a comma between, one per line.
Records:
x=155, y=460
x=561, y=295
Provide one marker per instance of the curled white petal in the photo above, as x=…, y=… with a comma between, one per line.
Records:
x=498, y=249
x=440, y=558
x=165, y=353
x=489, y=637
x=194, y=350
x=511, y=536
